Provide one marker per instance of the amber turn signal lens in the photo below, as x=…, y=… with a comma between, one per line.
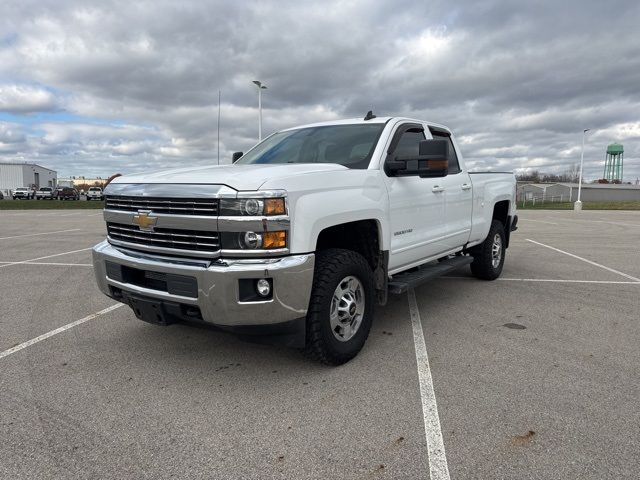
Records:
x=274, y=206
x=274, y=240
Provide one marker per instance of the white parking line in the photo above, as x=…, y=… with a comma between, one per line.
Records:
x=539, y=221
x=60, y=264
x=42, y=258
x=33, y=341
x=554, y=280
x=44, y=233
x=438, y=468
x=619, y=223
x=585, y=260
x=590, y=220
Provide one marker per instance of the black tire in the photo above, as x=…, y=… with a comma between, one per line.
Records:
x=332, y=266
x=483, y=259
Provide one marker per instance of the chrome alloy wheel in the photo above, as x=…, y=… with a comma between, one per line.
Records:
x=496, y=251
x=347, y=308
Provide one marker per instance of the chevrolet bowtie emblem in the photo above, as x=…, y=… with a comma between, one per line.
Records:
x=144, y=221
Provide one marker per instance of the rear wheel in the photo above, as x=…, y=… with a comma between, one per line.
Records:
x=341, y=306
x=488, y=257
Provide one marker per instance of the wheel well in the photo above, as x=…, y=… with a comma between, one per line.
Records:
x=361, y=236
x=501, y=212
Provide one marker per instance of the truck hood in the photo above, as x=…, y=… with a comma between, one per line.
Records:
x=239, y=177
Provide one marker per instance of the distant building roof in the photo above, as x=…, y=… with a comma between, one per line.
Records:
x=536, y=185
x=28, y=164
x=625, y=186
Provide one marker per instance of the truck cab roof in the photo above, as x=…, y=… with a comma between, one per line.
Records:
x=376, y=120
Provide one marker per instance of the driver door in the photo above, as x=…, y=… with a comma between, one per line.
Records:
x=416, y=205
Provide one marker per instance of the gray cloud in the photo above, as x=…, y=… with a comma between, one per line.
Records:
x=517, y=81
x=26, y=99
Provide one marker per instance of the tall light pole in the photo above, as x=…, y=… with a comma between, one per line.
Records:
x=261, y=87
x=219, y=96
x=578, y=205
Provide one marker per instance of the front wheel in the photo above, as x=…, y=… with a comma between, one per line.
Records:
x=341, y=306
x=488, y=257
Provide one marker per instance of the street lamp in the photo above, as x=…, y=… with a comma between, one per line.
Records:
x=261, y=87
x=578, y=205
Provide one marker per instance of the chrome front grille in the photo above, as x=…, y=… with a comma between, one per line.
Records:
x=165, y=240
x=176, y=206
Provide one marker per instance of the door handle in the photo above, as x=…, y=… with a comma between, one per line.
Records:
x=437, y=189
x=466, y=186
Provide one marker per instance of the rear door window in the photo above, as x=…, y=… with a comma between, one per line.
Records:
x=454, y=164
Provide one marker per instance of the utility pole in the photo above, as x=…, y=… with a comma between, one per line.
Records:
x=578, y=205
x=218, y=127
x=261, y=87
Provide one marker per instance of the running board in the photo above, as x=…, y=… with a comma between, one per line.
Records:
x=402, y=282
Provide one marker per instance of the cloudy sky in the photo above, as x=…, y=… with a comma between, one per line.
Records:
x=127, y=86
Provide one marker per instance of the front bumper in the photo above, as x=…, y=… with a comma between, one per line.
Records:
x=217, y=295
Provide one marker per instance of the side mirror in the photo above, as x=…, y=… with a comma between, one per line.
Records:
x=432, y=161
x=236, y=156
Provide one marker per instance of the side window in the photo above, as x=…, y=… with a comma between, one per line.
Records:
x=409, y=143
x=454, y=165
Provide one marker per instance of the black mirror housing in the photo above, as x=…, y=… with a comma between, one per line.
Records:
x=236, y=156
x=432, y=161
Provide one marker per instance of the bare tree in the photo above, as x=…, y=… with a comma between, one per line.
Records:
x=533, y=176
x=572, y=174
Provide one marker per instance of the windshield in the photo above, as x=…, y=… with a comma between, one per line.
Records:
x=22, y=189
x=94, y=189
x=45, y=189
x=348, y=145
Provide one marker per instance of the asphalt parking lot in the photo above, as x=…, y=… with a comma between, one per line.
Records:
x=536, y=375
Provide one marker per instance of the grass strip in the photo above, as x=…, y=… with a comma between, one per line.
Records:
x=50, y=204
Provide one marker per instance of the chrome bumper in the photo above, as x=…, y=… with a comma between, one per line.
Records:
x=217, y=284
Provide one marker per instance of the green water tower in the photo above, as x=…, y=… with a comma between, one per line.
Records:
x=613, y=163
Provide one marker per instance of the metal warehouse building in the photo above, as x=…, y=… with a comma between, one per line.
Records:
x=568, y=192
x=13, y=175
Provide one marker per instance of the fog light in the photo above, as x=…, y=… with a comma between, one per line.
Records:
x=252, y=240
x=263, y=287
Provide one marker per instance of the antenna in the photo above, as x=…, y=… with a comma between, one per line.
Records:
x=369, y=115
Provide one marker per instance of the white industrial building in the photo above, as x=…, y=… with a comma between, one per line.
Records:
x=568, y=192
x=14, y=175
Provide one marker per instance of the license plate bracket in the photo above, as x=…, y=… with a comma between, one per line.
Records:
x=148, y=310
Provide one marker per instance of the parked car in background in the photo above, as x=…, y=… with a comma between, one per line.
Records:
x=23, y=193
x=44, y=193
x=95, y=193
x=1, y=196
x=66, y=193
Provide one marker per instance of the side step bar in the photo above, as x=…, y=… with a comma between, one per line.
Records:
x=401, y=282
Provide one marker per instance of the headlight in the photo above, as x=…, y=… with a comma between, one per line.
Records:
x=253, y=207
x=253, y=240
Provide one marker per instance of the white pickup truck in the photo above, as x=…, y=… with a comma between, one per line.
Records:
x=299, y=239
x=95, y=193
